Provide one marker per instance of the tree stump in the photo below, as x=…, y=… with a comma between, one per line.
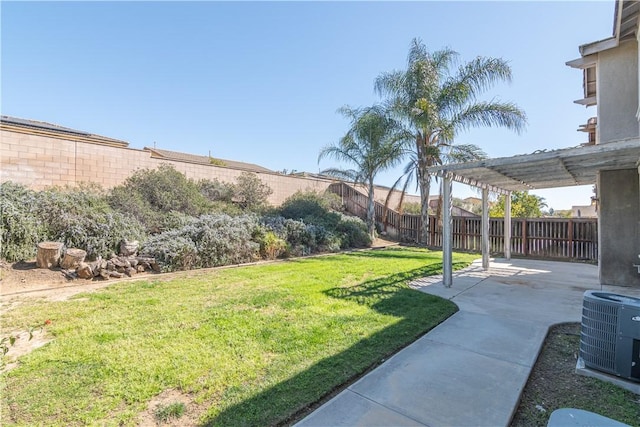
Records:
x=72, y=258
x=48, y=255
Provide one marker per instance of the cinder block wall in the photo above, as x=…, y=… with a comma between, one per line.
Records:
x=43, y=161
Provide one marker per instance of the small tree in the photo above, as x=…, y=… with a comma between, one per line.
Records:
x=373, y=143
x=523, y=205
x=250, y=192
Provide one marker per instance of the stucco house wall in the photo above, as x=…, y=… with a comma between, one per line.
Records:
x=617, y=96
x=619, y=221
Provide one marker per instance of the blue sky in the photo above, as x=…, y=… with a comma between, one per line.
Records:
x=261, y=81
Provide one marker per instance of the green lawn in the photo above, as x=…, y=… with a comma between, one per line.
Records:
x=250, y=345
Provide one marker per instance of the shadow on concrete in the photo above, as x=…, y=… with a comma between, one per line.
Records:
x=289, y=400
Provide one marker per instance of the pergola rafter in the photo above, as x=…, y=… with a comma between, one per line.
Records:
x=539, y=170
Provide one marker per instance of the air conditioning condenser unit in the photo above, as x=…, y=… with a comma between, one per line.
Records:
x=610, y=334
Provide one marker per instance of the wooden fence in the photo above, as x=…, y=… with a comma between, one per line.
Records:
x=559, y=238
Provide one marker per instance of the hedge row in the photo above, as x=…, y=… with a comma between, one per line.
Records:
x=184, y=224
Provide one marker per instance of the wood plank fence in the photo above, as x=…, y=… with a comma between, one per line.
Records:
x=555, y=238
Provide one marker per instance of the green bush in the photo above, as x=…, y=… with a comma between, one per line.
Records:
x=251, y=193
x=336, y=230
x=20, y=228
x=208, y=241
x=309, y=204
x=78, y=217
x=149, y=194
x=272, y=246
x=216, y=191
x=353, y=232
x=97, y=233
x=172, y=250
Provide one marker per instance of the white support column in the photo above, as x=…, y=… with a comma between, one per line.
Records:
x=507, y=226
x=485, y=229
x=447, y=255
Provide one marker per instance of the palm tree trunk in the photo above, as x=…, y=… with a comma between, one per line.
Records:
x=424, y=181
x=371, y=213
x=425, y=187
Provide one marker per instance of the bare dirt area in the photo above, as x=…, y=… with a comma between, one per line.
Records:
x=24, y=279
x=157, y=413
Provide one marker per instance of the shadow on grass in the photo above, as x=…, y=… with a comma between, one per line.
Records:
x=288, y=400
x=393, y=253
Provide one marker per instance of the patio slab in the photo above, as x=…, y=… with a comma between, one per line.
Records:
x=471, y=369
x=510, y=340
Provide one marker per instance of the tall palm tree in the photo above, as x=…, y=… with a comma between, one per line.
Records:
x=437, y=99
x=374, y=142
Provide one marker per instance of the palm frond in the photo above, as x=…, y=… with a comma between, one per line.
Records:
x=350, y=175
x=489, y=114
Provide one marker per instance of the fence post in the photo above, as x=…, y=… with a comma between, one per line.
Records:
x=465, y=235
x=432, y=230
x=571, y=251
x=525, y=244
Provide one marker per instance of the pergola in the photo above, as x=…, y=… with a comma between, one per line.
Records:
x=541, y=169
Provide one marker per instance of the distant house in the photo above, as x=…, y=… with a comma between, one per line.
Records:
x=455, y=210
x=586, y=211
x=204, y=160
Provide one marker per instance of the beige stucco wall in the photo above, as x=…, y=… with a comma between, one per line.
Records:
x=40, y=161
x=617, y=95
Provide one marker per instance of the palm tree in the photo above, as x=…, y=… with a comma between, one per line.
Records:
x=374, y=142
x=437, y=100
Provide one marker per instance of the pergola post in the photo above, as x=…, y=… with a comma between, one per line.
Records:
x=447, y=255
x=485, y=228
x=507, y=226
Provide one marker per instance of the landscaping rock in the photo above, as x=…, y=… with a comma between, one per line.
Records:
x=84, y=271
x=129, y=247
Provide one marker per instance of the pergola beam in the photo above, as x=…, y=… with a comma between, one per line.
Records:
x=485, y=229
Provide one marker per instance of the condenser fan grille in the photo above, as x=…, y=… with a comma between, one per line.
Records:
x=599, y=334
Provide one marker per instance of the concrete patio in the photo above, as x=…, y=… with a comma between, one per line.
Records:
x=471, y=369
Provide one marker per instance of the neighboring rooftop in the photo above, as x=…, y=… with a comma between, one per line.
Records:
x=205, y=160
x=56, y=131
x=53, y=130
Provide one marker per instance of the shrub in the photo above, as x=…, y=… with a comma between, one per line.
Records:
x=82, y=218
x=215, y=190
x=223, y=240
x=309, y=204
x=251, y=193
x=272, y=246
x=333, y=230
x=207, y=241
x=353, y=231
x=97, y=233
x=148, y=194
x=20, y=229
x=174, y=219
x=300, y=237
x=79, y=217
x=172, y=250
